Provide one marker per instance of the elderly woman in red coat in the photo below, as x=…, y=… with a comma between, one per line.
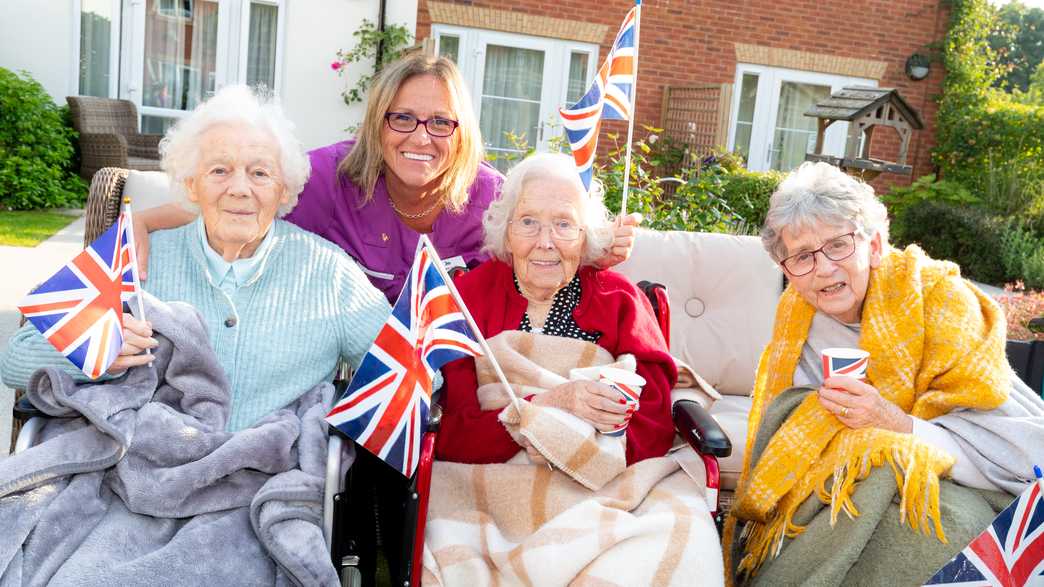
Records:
x=537, y=485
x=543, y=235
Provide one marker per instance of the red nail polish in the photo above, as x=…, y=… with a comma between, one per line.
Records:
x=623, y=401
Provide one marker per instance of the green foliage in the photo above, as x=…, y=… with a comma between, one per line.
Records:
x=925, y=188
x=1018, y=39
x=715, y=195
x=986, y=140
x=991, y=249
x=36, y=149
x=391, y=42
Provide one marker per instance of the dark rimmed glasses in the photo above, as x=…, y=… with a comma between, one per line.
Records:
x=562, y=230
x=838, y=248
x=436, y=126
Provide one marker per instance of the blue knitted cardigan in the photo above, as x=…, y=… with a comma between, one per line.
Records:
x=276, y=336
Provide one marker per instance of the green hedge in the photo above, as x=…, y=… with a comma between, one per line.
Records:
x=991, y=249
x=36, y=149
x=717, y=195
x=986, y=139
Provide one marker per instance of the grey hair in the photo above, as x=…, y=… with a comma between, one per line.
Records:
x=594, y=217
x=821, y=193
x=179, y=149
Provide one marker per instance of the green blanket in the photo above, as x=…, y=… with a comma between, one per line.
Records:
x=873, y=548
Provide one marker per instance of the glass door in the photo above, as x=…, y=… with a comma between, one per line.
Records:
x=510, y=104
x=769, y=126
x=794, y=133
x=178, y=58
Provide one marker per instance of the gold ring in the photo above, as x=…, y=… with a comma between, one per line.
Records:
x=844, y=412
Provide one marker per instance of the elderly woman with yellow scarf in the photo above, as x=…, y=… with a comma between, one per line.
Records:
x=877, y=481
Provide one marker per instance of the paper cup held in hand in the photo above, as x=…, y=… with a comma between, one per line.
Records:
x=845, y=361
x=628, y=384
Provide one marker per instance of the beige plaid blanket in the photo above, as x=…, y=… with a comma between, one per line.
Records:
x=588, y=521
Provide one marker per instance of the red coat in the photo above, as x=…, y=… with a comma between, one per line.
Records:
x=610, y=304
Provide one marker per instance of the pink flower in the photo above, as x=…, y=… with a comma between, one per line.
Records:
x=336, y=65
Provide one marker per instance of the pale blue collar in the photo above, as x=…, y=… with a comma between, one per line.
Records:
x=239, y=271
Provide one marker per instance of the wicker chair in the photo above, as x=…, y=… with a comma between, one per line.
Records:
x=109, y=136
x=103, y=206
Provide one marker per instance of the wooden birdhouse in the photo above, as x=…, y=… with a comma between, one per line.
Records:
x=865, y=109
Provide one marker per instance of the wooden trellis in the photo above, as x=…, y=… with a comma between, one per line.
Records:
x=697, y=116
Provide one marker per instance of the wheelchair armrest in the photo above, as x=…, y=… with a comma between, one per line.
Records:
x=699, y=429
x=24, y=409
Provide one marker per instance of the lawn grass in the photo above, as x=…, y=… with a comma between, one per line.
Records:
x=30, y=228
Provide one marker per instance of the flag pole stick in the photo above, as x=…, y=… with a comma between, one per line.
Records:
x=471, y=321
x=634, y=100
x=134, y=260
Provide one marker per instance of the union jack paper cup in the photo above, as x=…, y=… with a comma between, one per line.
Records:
x=628, y=383
x=845, y=361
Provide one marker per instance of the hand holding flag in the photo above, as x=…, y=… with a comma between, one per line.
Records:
x=79, y=309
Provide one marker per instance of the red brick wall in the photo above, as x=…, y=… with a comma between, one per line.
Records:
x=692, y=41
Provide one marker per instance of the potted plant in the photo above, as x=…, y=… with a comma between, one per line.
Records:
x=1025, y=314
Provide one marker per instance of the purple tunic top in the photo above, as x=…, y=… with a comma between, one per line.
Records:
x=373, y=234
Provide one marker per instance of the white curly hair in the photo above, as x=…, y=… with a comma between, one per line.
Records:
x=594, y=217
x=239, y=104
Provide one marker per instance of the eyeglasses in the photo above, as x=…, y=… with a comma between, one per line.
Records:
x=836, y=249
x=528, y=227
x=407, y=123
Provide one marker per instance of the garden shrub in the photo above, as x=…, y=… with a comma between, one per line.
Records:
x=36, y=150
x=987, y=140
x=990, y=249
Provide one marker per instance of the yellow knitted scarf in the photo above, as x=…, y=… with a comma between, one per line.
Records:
x=936, y=343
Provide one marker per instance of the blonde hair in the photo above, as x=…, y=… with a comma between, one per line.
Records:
x=365, y=163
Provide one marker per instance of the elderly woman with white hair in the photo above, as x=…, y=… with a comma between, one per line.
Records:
x=544, y=233
x=281, y=305
x=562, y=480
x=938, y=434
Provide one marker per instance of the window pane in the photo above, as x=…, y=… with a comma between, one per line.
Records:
x=511, y=88
x=95, y=46
x=180, y=53
x=795, y=133
x=745, y=116
x=577, y=77
x=261, y=45
x=449, y=46
x=156, y=125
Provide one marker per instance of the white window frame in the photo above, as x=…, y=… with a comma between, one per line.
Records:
x=555, y=84
x=770, y=81
x=114, y=49
x=244, y=41
x=231, y=50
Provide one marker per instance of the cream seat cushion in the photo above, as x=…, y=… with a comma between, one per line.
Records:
x=147, y=189
x=723, y=291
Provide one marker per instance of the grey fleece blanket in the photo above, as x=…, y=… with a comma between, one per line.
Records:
x=873, y=548
x=137, y=482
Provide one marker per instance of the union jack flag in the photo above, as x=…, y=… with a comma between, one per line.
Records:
x=1010, y=552
x=610, y=97
x=385, y=408
x=79, y=309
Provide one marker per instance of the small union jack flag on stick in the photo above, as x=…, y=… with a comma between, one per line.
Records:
x=611, y=96
x=1009, y=553
x=386, y=406
x=79, y=309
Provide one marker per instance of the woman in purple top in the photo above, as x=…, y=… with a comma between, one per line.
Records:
x=415, y=168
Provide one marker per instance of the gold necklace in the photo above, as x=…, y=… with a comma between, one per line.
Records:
x=414, y=216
